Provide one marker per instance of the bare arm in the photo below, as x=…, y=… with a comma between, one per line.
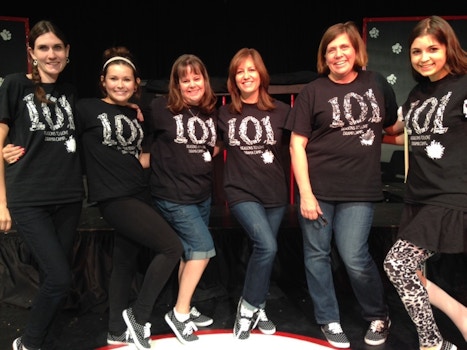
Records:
x=144, y=159
x=12, y=153
x=5, y=218
x=394, y=134
x=309, y=206
x=139, y=114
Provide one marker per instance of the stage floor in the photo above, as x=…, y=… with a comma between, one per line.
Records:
x=211, y=339
x=289, y=308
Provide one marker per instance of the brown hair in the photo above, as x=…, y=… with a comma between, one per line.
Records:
x=456, y=57
x=41, y=28
x=265, y=101
x=120, y=51
x=175, y=102
x=350, y=28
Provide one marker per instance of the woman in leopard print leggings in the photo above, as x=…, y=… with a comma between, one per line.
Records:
x=434, y=218
x=418, y=293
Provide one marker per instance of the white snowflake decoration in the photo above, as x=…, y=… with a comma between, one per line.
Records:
x=391, y=79
x=268, y=157
x=70, y=145
x=397, y=48
x=367, y=138
x=5, y=35
x=374, y=33
x=435, y=150
x=207, y=156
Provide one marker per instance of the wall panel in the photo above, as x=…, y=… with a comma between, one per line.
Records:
x=14, y=32
x=387, y=43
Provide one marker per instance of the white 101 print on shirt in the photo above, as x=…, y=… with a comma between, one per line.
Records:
x=419, y=131
x=58, y=131
x=195, y=145
x=253, y=145
x=115, y=137
x=357, y=125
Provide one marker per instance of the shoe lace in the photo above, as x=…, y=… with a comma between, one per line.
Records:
x=147, y=330
x=194, y=312
x=244, y=324
x=335, y=328
x=190, y=327
x=262, y=315
x=377, y=326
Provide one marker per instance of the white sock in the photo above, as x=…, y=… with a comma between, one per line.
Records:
x=181, y=317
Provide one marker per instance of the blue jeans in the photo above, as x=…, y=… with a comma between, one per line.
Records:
x=262, y=225
x=49, y=232
x=191, y=222
x=350, y=224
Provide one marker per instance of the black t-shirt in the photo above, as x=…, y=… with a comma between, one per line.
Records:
x=436, y=119
x=181, y=153
x=344, y=124
x=111, y=138
x=50, y=170
x=254, y=167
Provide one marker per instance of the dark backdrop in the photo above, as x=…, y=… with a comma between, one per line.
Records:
x=287, y=34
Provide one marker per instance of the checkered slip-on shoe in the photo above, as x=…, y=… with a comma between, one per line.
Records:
x=199, y=319
x=140, y=333
x=183, y=330
x=120, y=339
x=335, y=335
x=264, y=324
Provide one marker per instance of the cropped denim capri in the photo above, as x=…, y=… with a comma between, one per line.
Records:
x=191, y=222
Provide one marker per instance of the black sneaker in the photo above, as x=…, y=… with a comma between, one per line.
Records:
x=199, y=319
x=378, y=332
x=244, y=322
x=141, y=334
x=183, y=330
x=335, y=335
x=17, y=344
x=122, y=339
x=265, y=325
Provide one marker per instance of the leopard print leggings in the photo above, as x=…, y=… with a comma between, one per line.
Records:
x=401, y=265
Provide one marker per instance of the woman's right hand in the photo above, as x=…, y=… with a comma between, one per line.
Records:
x=5, y=219
x=12, y=153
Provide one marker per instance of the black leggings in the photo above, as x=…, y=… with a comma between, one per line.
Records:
x=137, y=225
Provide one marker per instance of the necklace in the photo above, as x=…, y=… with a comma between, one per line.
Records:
x=193, y=115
